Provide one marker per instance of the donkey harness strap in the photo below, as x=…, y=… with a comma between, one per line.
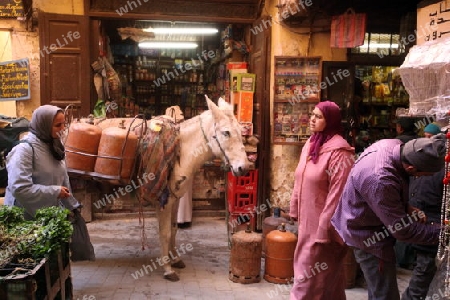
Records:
x=215, y=138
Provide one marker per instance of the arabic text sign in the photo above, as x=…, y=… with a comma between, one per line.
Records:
x=15, y=80
x=435, y=18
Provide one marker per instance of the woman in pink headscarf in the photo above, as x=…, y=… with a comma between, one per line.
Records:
x=324, y=165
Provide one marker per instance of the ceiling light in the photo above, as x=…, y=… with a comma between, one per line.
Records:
x=167, y=45
x=183, y=30
x=380, y=45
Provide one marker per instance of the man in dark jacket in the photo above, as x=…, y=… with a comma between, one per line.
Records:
x=425, y=193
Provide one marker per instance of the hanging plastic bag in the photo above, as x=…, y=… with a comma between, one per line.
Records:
x=80, y=244
x=348, y=30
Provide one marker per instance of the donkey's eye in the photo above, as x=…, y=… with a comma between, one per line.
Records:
x=226, y=133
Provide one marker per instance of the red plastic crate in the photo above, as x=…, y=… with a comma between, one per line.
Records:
x=242, y=192
x=242, y=202
x=246, y=183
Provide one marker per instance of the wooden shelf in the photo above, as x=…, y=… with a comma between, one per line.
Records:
x=178, y=87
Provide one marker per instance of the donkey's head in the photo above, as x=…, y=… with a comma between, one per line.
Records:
x=226, y=142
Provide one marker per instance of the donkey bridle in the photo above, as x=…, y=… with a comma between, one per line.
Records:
x=217, y=140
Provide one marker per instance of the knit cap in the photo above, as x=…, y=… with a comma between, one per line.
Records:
x=426, y=154
x=432, y=129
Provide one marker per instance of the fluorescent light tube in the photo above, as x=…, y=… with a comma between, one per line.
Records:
x=173, y=30
x=381, y=45
x=167, y=45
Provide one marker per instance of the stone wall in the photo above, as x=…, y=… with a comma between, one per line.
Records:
x=292, y=42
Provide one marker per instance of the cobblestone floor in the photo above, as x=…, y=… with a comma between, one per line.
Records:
x=118, y=272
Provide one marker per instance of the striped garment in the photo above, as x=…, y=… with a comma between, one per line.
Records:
x=159, y=149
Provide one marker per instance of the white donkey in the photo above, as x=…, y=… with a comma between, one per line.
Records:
x=215, y=132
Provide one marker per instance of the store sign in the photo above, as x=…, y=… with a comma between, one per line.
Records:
x=15, y=80
x=11, y=8
x=433, y=22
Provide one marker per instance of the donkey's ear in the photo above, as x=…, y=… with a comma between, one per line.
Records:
x=224, y=104
x=213, y=108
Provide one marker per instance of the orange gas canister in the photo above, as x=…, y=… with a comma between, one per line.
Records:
x=116, y=153
x=271, y=223
x=280, y=247
x=82, y=146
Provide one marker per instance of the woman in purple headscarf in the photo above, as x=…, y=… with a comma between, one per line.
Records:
x=325, y=162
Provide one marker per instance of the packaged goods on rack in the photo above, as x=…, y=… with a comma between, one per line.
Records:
x=297, y=81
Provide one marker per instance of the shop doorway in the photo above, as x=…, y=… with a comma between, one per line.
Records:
x=67, y=77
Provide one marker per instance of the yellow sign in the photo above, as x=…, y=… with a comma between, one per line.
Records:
x=11, y=8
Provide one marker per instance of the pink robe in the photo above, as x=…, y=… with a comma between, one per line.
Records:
x=318, y=258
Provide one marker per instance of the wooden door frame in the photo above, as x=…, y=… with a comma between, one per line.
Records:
x=262, y=104
x=348, y=118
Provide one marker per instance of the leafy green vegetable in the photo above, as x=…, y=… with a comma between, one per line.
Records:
x=10, y=215
x=35, y=239
x=55, y=229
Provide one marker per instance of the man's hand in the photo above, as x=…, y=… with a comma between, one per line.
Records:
x=417, y=214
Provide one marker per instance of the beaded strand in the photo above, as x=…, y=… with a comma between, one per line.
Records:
x=444, y=235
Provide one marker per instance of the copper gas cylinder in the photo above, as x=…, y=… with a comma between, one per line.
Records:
x=82, y=146
x=245, y=257
x=115, y=122
x=280, y=247
x=271, y=223
x=116, y=153
x=138, y=126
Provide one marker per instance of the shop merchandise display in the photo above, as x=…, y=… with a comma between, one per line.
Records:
x=297, y=91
